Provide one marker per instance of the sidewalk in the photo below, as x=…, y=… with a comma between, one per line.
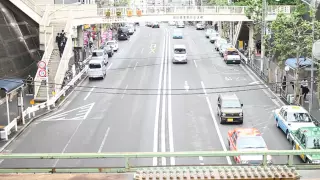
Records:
x=276, y=77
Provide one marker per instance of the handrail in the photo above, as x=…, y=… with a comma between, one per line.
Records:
x=33, y=6
x=67, y=53
x=47, y=52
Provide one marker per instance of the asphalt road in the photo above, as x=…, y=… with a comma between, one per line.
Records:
x=96, y=118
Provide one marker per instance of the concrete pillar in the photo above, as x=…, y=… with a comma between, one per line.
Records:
x=80, y=36
x=220, y=28
x=251, y=44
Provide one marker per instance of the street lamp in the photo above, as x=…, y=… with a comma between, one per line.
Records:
x=312, y=60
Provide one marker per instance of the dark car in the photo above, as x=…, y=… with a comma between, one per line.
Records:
x=123, y=33
x=155, y=25
x=137, y=23
x=230, y=109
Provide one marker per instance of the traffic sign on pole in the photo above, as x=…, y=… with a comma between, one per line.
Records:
x=41, y=64
x=42, y=73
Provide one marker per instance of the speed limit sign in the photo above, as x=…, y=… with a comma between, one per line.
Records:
x=41, y=64
x=42, y=73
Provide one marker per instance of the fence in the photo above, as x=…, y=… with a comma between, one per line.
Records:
x=127, y=156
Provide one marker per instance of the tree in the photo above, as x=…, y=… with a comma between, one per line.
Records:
x=291, y=38
x=218, y=2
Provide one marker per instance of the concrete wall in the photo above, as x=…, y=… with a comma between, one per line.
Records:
x=19, y=42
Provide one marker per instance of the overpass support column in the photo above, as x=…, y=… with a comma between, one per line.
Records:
x=251, y=44
x=219, y=28
x=80, y=36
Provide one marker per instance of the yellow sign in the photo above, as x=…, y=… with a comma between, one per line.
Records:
x=240, y=44
x=108, y=13
x=129, y=13
x=32, y=101
x=118, y=13
x=86, y=26
x=53, y=93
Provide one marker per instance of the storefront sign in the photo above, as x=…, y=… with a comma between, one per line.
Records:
x=194, y=17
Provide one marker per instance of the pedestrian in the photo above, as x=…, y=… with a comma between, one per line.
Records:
x=284, y=83
x=63, y=33
x=304, y=88
x=30, y=84
x=58, y=40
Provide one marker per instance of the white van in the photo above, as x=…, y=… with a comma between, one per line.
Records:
x=180, y=24
x=179, y=54
x=100, y=54
x=97, y=69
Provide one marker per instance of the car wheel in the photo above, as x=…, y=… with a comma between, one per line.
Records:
x=287, y=134
x=277, y=124
x=90, y=78
x=221, y=121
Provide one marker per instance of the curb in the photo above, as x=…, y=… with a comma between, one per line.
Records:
x=24, y=127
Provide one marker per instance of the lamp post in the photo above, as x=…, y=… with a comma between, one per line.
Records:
x=312, y=58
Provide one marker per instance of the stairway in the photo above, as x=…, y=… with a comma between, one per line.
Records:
x=53, y=65
x=52, y=68
x=236, y=34
x=30, y=8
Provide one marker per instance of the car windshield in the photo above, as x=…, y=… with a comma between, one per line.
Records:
x=94, y=66
x=97, y=54
x=299, y=117
x=231, y=103
x=233, y=53
x=313, y=142
x=110, y=43
x=179, y=51
x=249, y=142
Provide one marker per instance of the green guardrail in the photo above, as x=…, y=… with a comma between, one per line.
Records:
x=134, y=155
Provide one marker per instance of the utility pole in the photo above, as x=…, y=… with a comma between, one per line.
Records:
x=312, y=60
x=263, y=26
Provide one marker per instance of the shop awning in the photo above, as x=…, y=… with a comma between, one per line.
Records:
x=9, y=85
x=292, y=62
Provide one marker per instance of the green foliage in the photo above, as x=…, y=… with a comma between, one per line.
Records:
x=218, y=2
x=292, y=38
x=270, y=2
x=121, y=3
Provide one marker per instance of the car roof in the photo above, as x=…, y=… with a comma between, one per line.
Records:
x=96, y=61
x=311, y=131
x=292, y=108
x=179, y=46
x=229, y=96
x=241, y=132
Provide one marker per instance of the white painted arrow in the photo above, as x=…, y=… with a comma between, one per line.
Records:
x=186, y=86
x=255, y=82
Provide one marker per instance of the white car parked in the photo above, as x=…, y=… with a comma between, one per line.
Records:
x=172, y=23
x=114, y=44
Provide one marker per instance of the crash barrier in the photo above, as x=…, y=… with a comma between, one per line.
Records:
x=5, y=131
x=128, y=166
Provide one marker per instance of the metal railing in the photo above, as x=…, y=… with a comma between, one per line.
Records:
x=237, y=33
x=33, y=6
x=67, y=54
x=47, y=53
x=129, y=167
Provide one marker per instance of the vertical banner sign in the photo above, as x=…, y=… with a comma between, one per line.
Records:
x=85, y=38
x=104, y=37
x=109, y=34
x=240, y=44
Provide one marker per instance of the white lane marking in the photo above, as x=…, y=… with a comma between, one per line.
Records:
x=109, y=67
x=104, y=140
x=186, y=86
x=124, y=92
x=69, y=141
x=85, y=98
x=195, y=63
x=156, y=122
x=135, y=66
x=170, y=127
x=163, y=114
x=200, y=158
x=255, y=82
x=215, y=123
x=142, y=50
x=264, y=84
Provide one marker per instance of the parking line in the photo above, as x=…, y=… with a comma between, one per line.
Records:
x=124, y=92
x=135, y=66
x=195, y=63
x=104, y=140
x=89, y=93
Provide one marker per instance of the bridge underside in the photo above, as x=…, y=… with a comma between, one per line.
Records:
x=177, y=17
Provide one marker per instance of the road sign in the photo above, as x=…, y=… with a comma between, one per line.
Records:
x=32, y=101
x=316, y=49
x=41, y=64
x=42, y=73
